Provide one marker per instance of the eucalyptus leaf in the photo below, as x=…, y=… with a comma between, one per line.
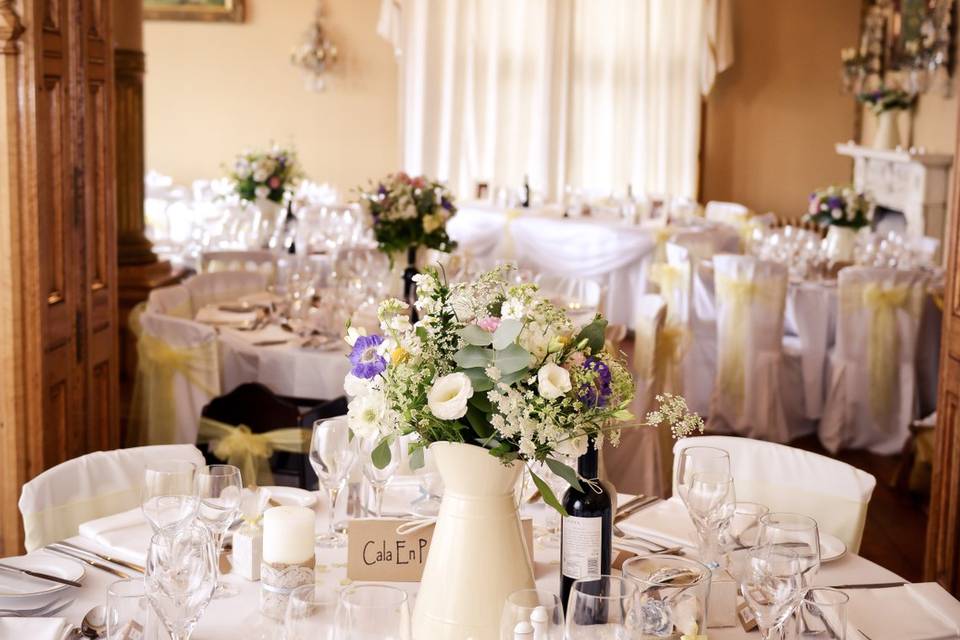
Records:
x=481, y=402
x=381, y=454
x=547, y=494
x=510, y=378
x=565, y=472
x=478, y=420
x=473, y=356
x=416, y=458
x=506, y=334
x=594, y=334
x=476, y=336
x=513, y=358
x=478, y=380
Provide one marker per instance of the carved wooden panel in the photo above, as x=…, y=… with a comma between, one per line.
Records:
x=53, y=15
x=54, y=171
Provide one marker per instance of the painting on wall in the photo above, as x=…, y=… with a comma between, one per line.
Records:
x=206, y=10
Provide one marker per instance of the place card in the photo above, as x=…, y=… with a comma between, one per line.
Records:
x=377, y=553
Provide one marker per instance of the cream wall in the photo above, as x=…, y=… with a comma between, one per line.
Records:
x=214, y=88
x=772, y=120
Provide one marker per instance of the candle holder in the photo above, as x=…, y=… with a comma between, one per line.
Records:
x=278, y=580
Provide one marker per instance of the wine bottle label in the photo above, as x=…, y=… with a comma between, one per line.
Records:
x=582, y=541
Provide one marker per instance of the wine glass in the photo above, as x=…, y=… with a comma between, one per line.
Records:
x=693, y=460
x=219, y=489
x=427, y=504
x=744, y=527
x=533, y=611
x=796, y=532
x=379, y=478
x=771, y=581
x=168, y=497
x=710, y=500
x=332, y=455
x=823, y=614
x=604, y=608
x=374, y=612
x=181, y=576
x=311, y=613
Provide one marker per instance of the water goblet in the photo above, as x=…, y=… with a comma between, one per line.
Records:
x=378, y=477
x=374, y=612
x=771, y=581
x=169, y=494
x=697, y=459
x=311, y=613
x=181, y=576
x=539, y=612
x=219, y=488
x=797, y=532
x=602, y=609
x=710, y=501
x=332, y=455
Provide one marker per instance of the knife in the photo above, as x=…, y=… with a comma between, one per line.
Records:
x=632, y=509
x=41, y=576
x=632, y=501
x=123, y=563
x=868, y=585
x=93, y=563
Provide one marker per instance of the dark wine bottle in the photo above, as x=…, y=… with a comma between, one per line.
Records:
x=586, y=533
x=526, y=192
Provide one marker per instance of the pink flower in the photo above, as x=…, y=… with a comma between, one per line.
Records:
x=489, y=324
x=418, y=182
x=575, y=360
x=274, y=182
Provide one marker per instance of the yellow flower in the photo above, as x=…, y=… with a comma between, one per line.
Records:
x=432, y=222
x=556, y=344
x=399, y=355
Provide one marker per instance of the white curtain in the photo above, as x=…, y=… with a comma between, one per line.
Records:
x=594, y=94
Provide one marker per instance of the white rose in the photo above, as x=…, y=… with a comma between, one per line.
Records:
x=365, y=414
x=448, y=397
x=553, y=381
x=261, y=191
x=573, y=447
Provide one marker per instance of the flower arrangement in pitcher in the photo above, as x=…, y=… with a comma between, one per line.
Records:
x=265, y=175
x=885, y=99
x=839, y=206
x=408, y=212
x=497, y=365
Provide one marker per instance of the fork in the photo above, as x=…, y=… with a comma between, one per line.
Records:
x=46, y=610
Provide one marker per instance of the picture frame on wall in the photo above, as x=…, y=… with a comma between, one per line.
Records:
x=201, y=10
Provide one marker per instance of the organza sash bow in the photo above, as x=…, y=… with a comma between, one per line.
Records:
x=883, y=348
x=671, y=279
x=251, y=452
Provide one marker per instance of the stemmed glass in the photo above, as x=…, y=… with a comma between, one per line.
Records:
x=181, y=576
x=378, y=478
x=693, y=460
x=538, y=612
x=332, y=455
x=711, y=500
x=311, y=613
x=603, y=609
x=771, y=581
x=169, y=496
x=374, y=612
x=219, y=488
x=796, y=532
x=427, y=504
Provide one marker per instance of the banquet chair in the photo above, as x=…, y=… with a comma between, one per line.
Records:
x=640, y=464
x=171, y=301
x=783, y=478
x=754, y=394
x=224, y=286
x=178, y=372
x=871, y=389
x=55, y=503
x=257, y=261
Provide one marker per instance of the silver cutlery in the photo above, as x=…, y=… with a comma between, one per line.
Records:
x=628, y=545
x=39, y=575
x=102, y=556
x=269, y=343
x=53, y=548
x=628, y=511
x=94, y=624
x=870, y=585
x=48, y=609
x=631, y=502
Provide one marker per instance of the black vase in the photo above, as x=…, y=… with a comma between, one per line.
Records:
x=409, y=287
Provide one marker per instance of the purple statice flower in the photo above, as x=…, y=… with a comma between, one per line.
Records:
x=446, y=204
x=596, y=393
x=367, y=363
x=382, y=190
x=835, y=202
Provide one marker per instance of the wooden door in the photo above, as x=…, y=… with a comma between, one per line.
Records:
x=943, y=532
x=58, y=344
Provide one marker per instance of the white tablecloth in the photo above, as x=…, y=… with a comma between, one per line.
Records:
x=237, y=617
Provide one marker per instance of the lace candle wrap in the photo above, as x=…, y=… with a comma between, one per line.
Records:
x=288, y=562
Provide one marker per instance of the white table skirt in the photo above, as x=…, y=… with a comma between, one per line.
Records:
x=237, y=617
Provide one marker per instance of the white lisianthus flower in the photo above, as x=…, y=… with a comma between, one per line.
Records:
x=353, y=333
x=553, y=381
x=355, y=386
x=261, y=174
x=262, y=191
x=448, y=396
x=573, y=447
x=365, y=415
x=837, y=214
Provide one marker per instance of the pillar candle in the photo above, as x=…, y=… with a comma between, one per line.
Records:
x=288, y=534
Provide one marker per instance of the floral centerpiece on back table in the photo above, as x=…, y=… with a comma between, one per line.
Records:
x=885, y=102
x=498, y=367
x=844, y=211
x=265, y=175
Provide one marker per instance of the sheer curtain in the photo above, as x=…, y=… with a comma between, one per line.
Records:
x=594, y=94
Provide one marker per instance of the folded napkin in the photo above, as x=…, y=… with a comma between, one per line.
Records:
x=33, y=628
x=124, y=535
x=212, y=314
x=666, y=522
x=913, y=612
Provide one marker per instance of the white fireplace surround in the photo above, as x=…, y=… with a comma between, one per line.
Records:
x=913, y=183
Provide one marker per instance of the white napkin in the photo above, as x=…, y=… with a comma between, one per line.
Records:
x=666, y=522
x=124, y=535
x=33, y=628
x=212, y=314
x=912, y=612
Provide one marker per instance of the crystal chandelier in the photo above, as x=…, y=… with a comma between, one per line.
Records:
x=316, y=54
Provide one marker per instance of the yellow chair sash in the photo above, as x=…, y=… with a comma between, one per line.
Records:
x=883, y=348
x=671, y=279
x=661, y=235
x=153, y=409
x=250, y=452
x=671, y=345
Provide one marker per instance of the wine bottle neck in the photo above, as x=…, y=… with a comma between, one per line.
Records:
x=588, y=466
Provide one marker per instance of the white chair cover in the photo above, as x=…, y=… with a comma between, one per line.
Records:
x=750, y=297
x=55, y=503
x=178, y=372
x=224, y=286
x=783, y=478
x=871, y=395
x=726, y=212
x=637, y=465
x=171, y=301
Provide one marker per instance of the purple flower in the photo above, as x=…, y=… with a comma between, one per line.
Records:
x=382, y=190
x=835, y=202
x=596, y=393
x=367, y=363
x=446, y=204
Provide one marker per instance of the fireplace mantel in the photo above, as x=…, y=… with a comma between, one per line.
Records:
x=915, y=184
